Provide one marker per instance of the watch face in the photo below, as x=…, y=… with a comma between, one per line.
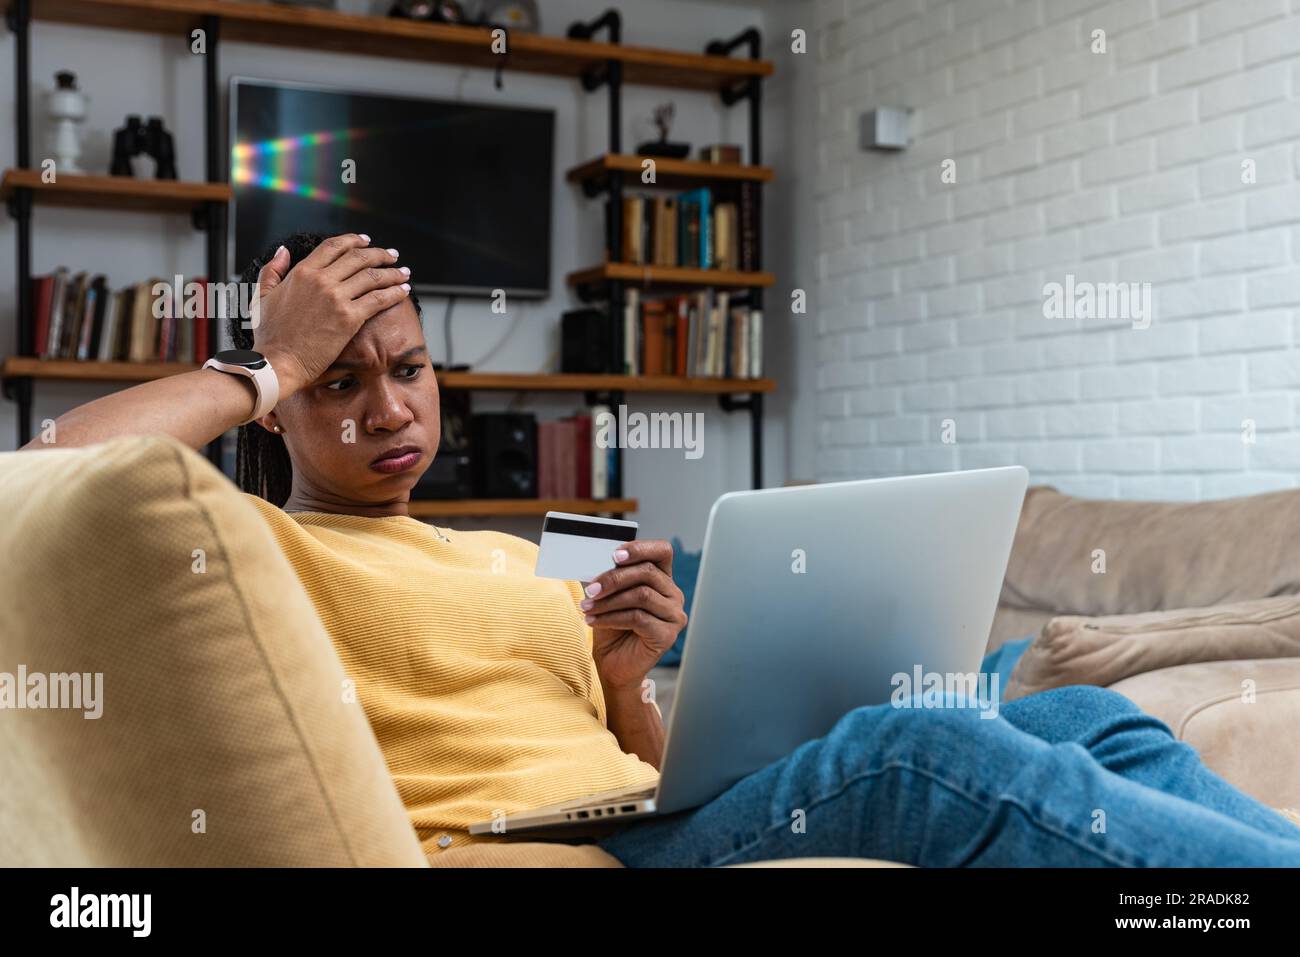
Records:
x=241, y=357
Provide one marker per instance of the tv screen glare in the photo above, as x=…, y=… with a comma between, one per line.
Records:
x=461, y=190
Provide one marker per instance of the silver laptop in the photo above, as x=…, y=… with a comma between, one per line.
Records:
x=809, y=601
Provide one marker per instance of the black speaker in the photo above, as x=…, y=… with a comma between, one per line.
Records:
x=503, y=447
x=450, y=475
x=586, y=342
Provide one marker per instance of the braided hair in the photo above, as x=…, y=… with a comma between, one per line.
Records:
x=262, y=464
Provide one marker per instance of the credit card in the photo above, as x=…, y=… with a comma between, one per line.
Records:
x=580, y=547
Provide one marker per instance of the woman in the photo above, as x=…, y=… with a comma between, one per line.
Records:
x=489, y=694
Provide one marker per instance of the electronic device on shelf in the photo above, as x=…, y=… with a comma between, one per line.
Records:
x=450, y=474
x=503, y=447
x=464, y=190
x=586, y=342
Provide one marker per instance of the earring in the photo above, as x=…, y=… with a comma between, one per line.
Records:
x=278, y=428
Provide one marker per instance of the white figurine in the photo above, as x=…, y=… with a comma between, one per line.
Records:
x=67, y=106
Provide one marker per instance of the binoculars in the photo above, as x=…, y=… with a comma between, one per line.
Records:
x=150, y=138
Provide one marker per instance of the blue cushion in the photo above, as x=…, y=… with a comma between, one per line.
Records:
x=686, y=569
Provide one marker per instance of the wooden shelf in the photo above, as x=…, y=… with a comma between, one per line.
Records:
x=307, y=28
x=85, y=370
x=428, y=508
x=670, y=276
x=669, y=173
x=78, y=370
x=114, y=192
x=570, y=382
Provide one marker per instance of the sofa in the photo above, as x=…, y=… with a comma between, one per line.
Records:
x=1191, y=610
x=226, y=736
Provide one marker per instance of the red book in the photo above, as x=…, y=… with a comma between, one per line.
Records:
x=42, y=299
x=165, y=326
x=201, y=352
x=682, y=338
x=653, y=320
x=582, y=458
x=570, y=458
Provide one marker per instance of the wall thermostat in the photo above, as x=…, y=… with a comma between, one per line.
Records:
x=885, y=129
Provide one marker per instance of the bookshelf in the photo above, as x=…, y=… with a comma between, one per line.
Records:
x=596, y=64
x=669, y=173
x=76, y=369
x=114, y=192
x=611, y=171
x=647, y=275
x=312, y=29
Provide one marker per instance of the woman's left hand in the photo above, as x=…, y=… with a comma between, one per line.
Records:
x=636, y=613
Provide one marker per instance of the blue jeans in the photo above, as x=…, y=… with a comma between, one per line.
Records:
x=1071, y=777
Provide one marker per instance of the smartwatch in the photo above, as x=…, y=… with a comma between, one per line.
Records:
x=253, y=365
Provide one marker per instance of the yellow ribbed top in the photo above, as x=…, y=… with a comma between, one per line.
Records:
x=476, y=675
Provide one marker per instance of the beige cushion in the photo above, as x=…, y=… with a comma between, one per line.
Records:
x=1241, y=716
x=1158, y=554
x=1074, y=650
x=222, y=694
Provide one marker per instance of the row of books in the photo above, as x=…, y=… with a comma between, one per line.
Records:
x=569, y=462
x=78, y=316
x=693, y=229
x=697, y=334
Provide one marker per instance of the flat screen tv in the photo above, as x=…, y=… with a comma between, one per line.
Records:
x=461, y=190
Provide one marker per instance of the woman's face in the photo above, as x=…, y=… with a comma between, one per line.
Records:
x=381, y=393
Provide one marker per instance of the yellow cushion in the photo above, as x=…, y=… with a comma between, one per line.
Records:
x=225, y=736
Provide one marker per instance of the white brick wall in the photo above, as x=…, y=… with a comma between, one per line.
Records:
x=1121, y=166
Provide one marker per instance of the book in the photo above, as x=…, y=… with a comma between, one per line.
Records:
x=631, y=324
x=108, y=335
x=122, y=335
x=557, y=430
x=653, y=320
x=700, y=324
x=725, y=236
x=687, y=230
x=681, y=334
x=706, y=230
x=568, y=461
x=201, y=348
x=697, y=237
x=142, y=322
x=57, y=299
x=721, y=153
x=74, y=307
x=96, y=293
x=582, y=455
x=42, y=298
x=738, y=345
x=718, y=334
x=634, y=229
x=599, y=456
x=185, y=335
x=665, y=231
